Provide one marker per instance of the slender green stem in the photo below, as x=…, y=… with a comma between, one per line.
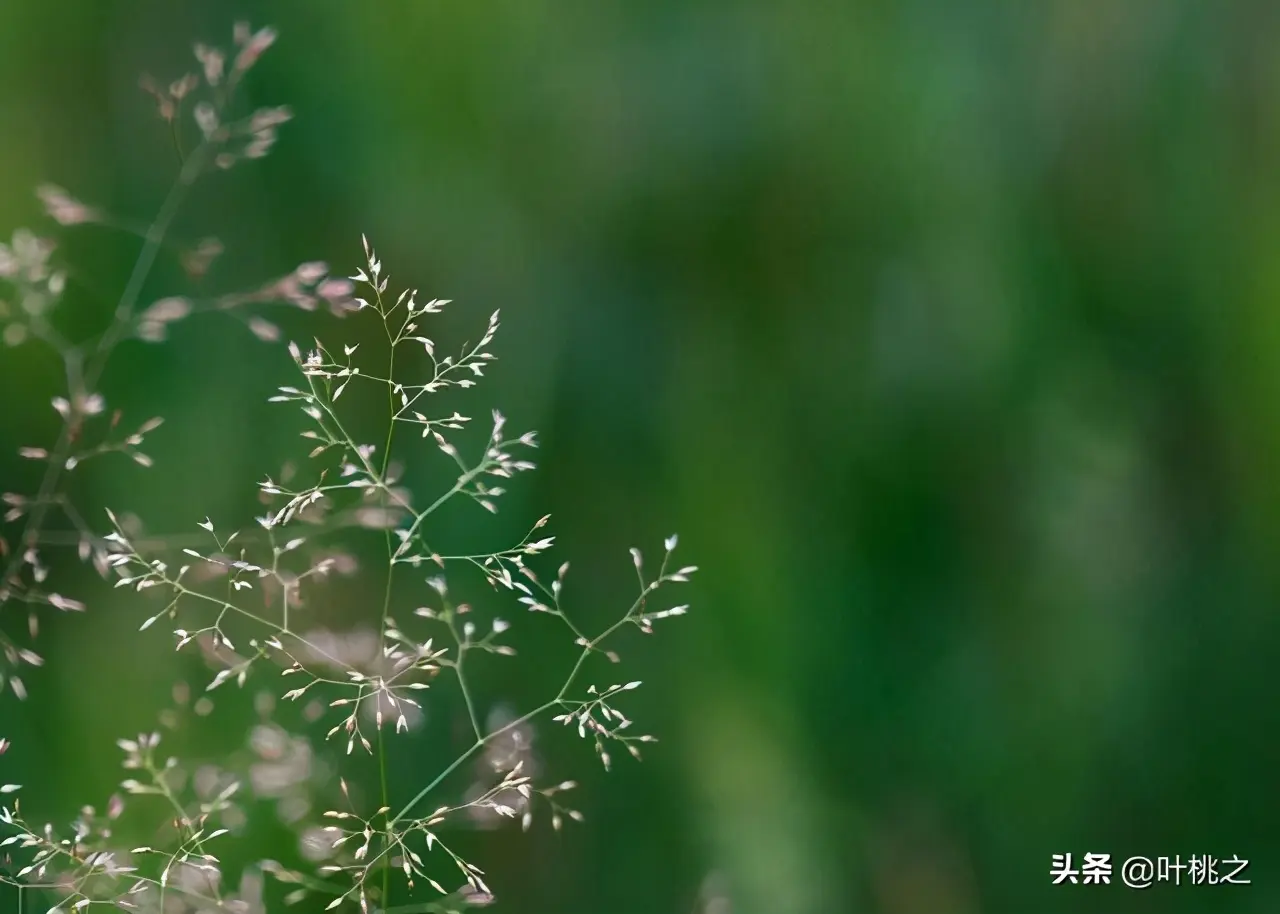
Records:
x=587, y=650
x=386, y=597
x=152, y=244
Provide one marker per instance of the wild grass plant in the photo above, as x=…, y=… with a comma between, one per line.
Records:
x=243, y=599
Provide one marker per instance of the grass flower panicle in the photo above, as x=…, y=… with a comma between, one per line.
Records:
x=238, y=599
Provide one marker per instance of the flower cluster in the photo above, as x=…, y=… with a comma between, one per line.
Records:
x=33, y=283
x=243, y=603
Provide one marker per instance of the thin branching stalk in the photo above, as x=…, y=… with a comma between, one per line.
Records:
x=243, y=601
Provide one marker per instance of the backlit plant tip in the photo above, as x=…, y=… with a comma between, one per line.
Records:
x=262, y=605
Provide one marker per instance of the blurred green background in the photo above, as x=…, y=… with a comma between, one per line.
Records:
x=947, y=335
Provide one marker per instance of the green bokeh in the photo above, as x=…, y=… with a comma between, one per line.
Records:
x=947, y=335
